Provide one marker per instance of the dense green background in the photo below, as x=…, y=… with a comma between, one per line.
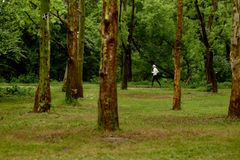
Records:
x=154, y=37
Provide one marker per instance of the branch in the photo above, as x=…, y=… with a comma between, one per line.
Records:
x=136, y=46
x=169, y=43
x=202, y=25
x=33, y=4
x=30, y=18
x=63, y=21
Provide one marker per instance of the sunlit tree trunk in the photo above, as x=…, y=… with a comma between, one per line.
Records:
x=43, y=95
x=73, y=90
x=107, y=104
x=177, y=57
x=234, y=106
x=81, y=43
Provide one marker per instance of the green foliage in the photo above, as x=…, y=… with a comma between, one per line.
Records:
x=222, y=69
x=15, y=90
x=154, y=39
x=29, y=78
x=225, y=85
x=11, y=51
x=195, y=84
x=2, y=80
x=141, y=69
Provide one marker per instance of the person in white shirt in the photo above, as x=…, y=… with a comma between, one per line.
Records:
x=155, y=75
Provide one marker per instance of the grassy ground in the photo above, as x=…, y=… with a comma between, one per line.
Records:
x=150, y=130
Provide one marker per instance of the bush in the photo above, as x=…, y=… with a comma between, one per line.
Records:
x=225, y=85
x=29, y=78
x=2, y=80
x=16, y=90
x=195, y=84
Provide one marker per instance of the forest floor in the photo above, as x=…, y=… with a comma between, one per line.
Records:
x=150, y=130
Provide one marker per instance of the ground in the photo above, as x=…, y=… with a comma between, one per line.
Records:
x=150, y=130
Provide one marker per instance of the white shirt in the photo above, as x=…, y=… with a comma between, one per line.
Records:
x=155, y=71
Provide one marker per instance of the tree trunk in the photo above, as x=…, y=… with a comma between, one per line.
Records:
x=211, y=17
x=43, y=95
x=81, y=43
x=73, y=90
x=125, y=69
x=127, y=54
x=107, y=104
x=208, y=56
x=234, y=106
x=210, y=73
x=177, y=57
x=130, y=41
x=64, y=88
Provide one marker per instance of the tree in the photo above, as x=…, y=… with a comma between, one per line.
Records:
x=11, y=45
x=127, y=50
x=177, y=57
x=208, y=57
x=153, y=38
x=43, y=95
x=107, y=104
x=73, y=89
x=234, y=106
x=81, y=43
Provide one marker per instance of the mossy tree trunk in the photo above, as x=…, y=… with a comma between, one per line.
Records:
x=107, y=104
x=234, y=106
x=81, y=43
x=177, y=57
x=73, y=89
x=43, y=95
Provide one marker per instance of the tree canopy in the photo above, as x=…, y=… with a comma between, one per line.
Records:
x=153, y=39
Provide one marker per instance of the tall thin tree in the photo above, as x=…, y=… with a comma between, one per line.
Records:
x=107, y=104
x=234, y=106
x=127, y=51
x=73, y=88
x=81, y=43
x=43, y=94
x=208, y=56
x=177, y=57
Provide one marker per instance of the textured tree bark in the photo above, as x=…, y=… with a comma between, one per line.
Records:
x=177, y=57
x=208, y=56
x=81, y=43
x=107, y=104
x=73, y=90
x=234, y=106
x=43, y=95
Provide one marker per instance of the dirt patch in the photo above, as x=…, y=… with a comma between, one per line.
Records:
x=114, y=139
x=52, y=137
x=148, y=134
x=163, y=134
x=49, y=137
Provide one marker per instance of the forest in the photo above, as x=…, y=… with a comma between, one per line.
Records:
x=152, y=32
x=77, y=79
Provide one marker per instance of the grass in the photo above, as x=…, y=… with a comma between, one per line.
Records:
x=150, y=130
